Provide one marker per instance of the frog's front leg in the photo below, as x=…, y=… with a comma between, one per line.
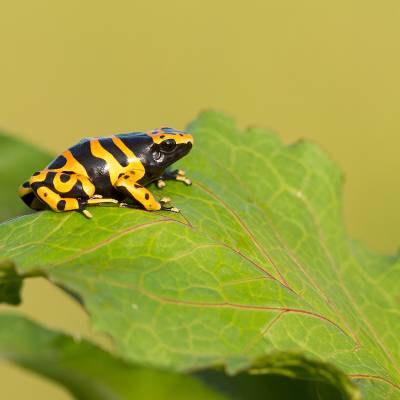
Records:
x=176, y=175
x=127, y=184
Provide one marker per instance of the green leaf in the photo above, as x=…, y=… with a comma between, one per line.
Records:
x=257, y=264
x=10, y=283
x=87, y=371
x=18, y=161
x=246, y=386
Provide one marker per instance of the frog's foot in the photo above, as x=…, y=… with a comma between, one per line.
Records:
x=163, y=202
x=181, y=176
x=167, y=200
x=177, y=175
x=171, y=209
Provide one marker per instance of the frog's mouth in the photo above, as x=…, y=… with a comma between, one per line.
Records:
x=184, y=148
x=188, y=147
x=180, y=151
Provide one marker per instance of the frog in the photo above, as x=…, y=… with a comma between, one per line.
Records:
x=116, y=169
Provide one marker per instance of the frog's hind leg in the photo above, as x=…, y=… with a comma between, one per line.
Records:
x=59, y=191
x=63, y=191
x=27, y=195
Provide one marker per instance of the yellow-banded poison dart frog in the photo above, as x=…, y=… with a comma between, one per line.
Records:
x=109, y=170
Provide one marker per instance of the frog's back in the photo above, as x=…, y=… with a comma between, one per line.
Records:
x=80, y=159
x=102, y=159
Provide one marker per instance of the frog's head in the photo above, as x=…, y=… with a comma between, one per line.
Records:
x=169, y=145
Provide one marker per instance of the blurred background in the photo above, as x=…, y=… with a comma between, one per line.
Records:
x=325, y=71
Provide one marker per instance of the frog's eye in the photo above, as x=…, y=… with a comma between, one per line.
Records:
x=157, y=155
x=167, y=146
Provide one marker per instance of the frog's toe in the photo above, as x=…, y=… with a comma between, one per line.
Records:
x=161, y=184
x=184, y=179
x=171, y=209
x=165, y=200
x=87, y=214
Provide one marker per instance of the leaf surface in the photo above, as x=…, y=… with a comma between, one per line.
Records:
x=257, y=264
x=87, y=371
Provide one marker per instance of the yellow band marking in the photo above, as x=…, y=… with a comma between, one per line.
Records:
x=159, y=136
x=114, y=167
x=64, y=187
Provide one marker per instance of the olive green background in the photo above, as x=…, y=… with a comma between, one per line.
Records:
x=325, y=71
